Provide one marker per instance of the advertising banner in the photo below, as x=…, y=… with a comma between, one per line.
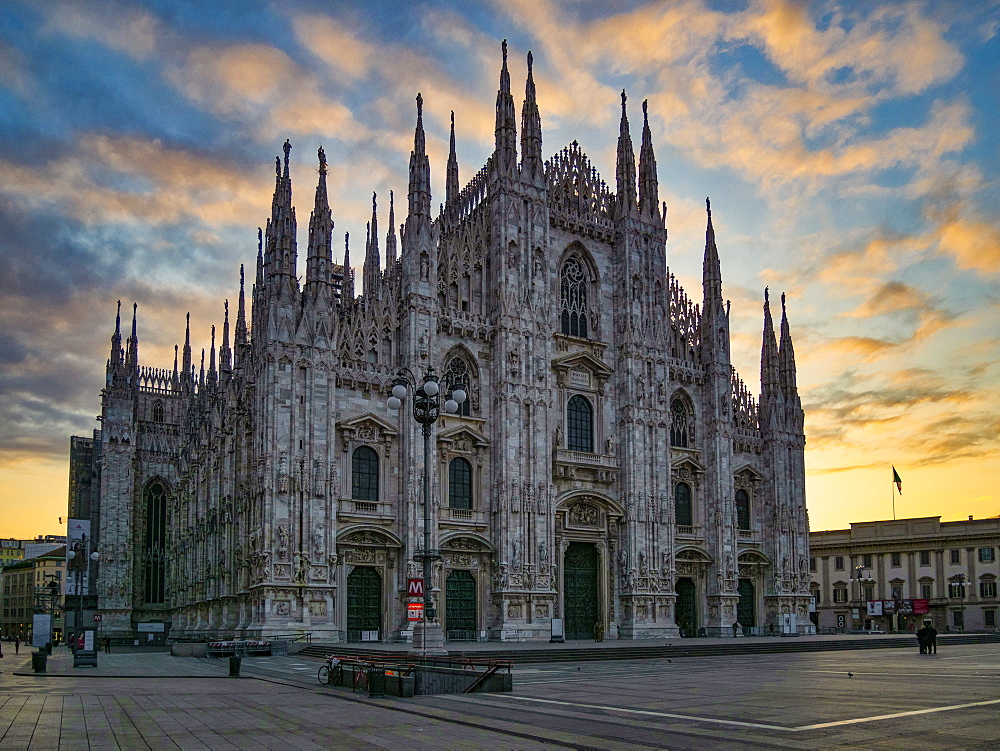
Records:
x=874, y=607
x=41, y=629
x=906, y=607
x=920, y=607
x=76, y=568
x=414, y=611
x=888, y=607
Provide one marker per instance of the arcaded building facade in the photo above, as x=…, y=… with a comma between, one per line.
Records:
x=609, y=467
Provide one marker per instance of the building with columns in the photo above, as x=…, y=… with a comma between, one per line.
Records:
x=893, y=574
x=609, y=467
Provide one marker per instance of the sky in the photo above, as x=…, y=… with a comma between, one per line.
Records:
x=850, y=150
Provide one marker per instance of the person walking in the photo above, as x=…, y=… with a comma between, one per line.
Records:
x=17, y=644
x=931, y=639
x=107, y=645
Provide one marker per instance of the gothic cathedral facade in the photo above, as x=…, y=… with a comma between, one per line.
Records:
x=609, y=468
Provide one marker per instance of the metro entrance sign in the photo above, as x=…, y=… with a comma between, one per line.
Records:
x=414, y=587
x=414, y=611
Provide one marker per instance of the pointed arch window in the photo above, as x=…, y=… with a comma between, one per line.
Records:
x=573, y=303
x=580, y=425
x=154, y=546
x=459, y=484
x=742, y=509
x=364, y=474
x=683, y=511
x=158, y=411
x=459, y=373
x=681, y=428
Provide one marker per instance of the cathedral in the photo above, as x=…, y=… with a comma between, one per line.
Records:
x=609, y=471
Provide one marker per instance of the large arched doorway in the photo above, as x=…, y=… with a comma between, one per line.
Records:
x=687, y=607
x=580, y=599
x=460, y=606
x=364, y=604
x=746, y=609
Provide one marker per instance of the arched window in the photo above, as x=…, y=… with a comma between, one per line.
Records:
x=683, y=512
x=459, y=484
x=364, y=474
x=680, y=425
x=742, y=509
x=580, y=425
x=157, y=411
x=573, y=290
x=458, y=373
x=154, y=560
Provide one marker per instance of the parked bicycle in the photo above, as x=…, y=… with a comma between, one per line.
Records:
x=332, y=673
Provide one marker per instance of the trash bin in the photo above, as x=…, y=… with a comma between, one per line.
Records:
x=234, y=666
x=38, y=660
x=376, y=681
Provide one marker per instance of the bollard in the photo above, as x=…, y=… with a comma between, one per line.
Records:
x=234, y=666
x=38, y=660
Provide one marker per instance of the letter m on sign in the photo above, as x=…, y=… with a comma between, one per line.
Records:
x=415, y=587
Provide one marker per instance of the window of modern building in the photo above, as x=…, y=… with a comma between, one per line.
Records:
x=956, y=590
x=869, y=593
x=925, y=591
x=840, y=594
x=838, y=562
x=812, y=564
x=988, y=589
x=956, y=556
x=958, y=619
x=990, y=618
x=897, y=560
x=573, y=288
x=683, y=512
x=897, y=592
x=459, y=484
x=986, y=555
x=364, y=474
x=579, y=425
x=866, y=560
x=925, y=558
x=742, y=509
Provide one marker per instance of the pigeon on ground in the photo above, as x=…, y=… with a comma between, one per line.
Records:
x=850, y=675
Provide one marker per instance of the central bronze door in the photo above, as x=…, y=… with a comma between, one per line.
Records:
x=460, y=606
x=580, y=600
x=364, y=604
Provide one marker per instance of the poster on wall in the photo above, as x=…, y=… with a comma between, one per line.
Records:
x=874, y=607
x=77, y=536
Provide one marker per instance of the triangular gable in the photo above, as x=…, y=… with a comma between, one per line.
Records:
x=753, y=557
x=689, y=463
x=367, y=420
x=581, y=361
x=750, y=472
x=463, y=433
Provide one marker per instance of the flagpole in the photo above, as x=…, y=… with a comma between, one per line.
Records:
x=893, y=491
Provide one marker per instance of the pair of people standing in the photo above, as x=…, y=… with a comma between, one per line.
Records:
x=927, y=638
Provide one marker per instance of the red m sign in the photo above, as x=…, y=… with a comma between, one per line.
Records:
x=415, y=587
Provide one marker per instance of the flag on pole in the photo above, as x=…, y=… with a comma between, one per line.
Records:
x=899, y=482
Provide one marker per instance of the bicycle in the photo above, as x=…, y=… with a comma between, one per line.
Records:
x=331, y=673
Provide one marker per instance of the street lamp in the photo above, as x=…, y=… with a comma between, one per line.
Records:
x=428, y=402
x=81, y=556
x=862, y=579
x=960, y=583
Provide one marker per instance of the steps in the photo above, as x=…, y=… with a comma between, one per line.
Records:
x=675, y=649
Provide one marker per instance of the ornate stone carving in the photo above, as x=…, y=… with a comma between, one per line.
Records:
x=584, y=514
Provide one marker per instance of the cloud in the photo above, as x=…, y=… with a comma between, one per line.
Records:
x=120, y=26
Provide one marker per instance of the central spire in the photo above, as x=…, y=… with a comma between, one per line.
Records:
x=649, y=199
x=420, y=169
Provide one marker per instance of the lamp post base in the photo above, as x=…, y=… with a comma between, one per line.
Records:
x=428, y=640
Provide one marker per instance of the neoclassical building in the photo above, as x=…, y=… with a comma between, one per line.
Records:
x=609, y=465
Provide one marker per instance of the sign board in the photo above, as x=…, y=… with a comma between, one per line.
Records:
x=888, y=607
x=97, y=617
x=41, y=629
x=812, y=604
x=369, y=636
x=905, y=607
x=841, y=620
x=414, y=587
x=874, y=607
x=414, y=611
x=149, y=628
x=921, y=607
x=558, y=630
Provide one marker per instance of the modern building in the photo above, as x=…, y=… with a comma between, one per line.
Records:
x=34, y=585
x=891, y=575
x=609, y=467
x=10, y=551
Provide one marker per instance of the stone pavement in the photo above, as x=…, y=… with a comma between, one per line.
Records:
x=155, y=701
